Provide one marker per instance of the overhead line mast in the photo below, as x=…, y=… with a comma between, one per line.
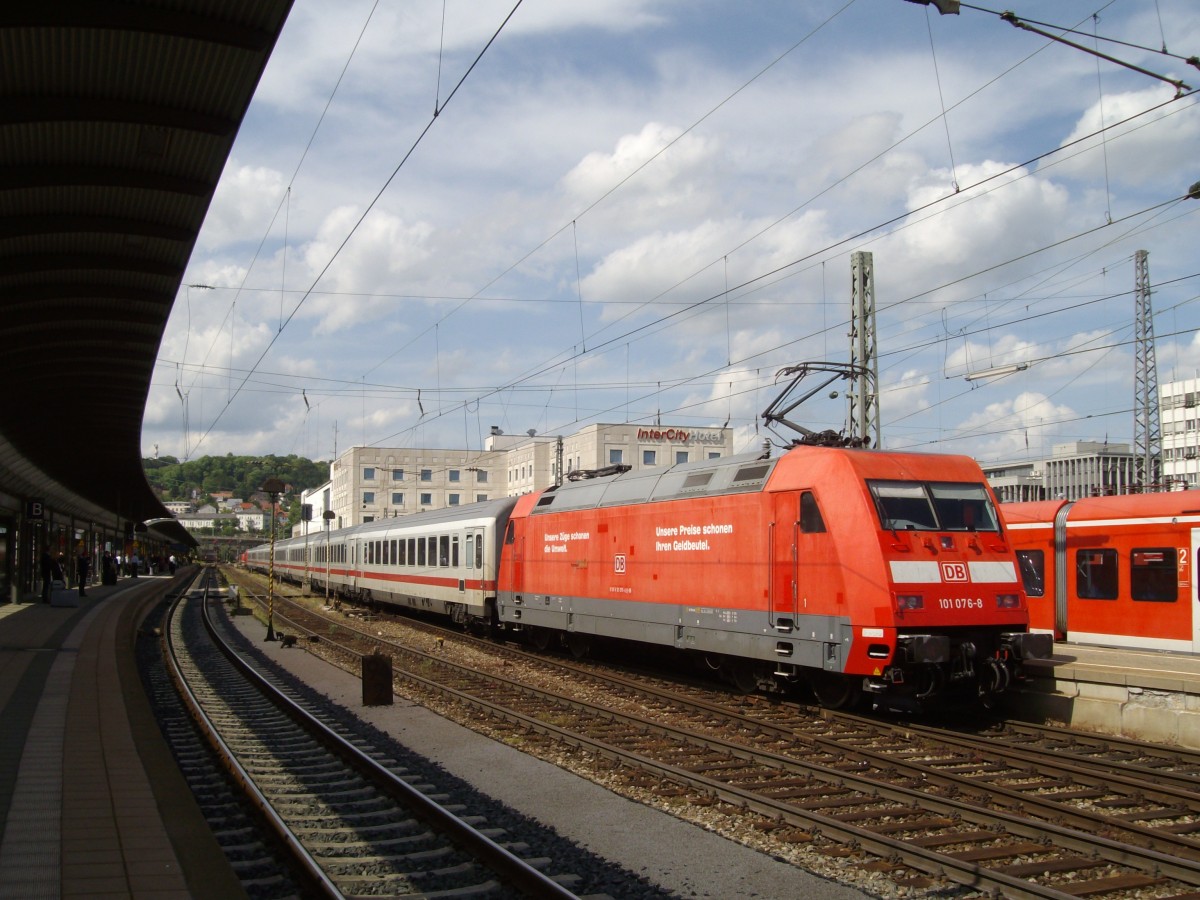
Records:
x=1147, y=427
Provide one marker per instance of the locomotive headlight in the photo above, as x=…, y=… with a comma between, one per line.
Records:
x=910, y=601
x=1008, y=601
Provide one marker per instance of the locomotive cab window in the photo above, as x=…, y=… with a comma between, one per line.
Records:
x=1096, y=574
x=1152, y=574
x=811, y=521
x=1032, y=564
x=933, y=506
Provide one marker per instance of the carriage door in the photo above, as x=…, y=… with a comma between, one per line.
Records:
x=781, y=589
x=1187, y=573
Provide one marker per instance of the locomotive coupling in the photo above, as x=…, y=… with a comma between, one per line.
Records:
x=1027, y=645
x=925, y=648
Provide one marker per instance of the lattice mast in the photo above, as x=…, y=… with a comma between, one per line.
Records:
x=863, y=396
x=1147, y=428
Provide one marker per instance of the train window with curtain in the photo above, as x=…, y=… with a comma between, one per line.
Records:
x=1032, y=564
x=1152, y=574
x=1096, y=574
x=811, y=521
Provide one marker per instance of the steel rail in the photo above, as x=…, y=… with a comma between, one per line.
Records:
x=510, y=868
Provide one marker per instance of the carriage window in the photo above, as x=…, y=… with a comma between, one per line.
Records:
x=510, y=534
x=810, y=515
x=421, y=552
x=1152, y=574
x=454, y=551
x=432, y=555
x=470, y=551
x=444, y=550
x=1032, y=564
x=1096, y=574
x=479, y=552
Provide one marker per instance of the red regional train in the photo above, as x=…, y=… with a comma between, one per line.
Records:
x=1114, y=571
x=851, y=570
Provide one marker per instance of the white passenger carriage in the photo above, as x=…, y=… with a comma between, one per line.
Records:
x=443, y=561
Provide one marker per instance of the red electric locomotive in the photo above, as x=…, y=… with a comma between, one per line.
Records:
x=854, y=570
x=1116, y=571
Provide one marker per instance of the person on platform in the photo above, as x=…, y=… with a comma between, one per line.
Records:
x=46, y=566
x=83, y=564
x=135, y=564
x=108, y=569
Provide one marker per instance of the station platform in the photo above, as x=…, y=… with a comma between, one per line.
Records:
x=1147, y=695
x=92, y=803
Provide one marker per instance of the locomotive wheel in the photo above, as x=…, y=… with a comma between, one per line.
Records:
x=744, y=677
x=835, y=691
x=580, y=645
x=540, y=637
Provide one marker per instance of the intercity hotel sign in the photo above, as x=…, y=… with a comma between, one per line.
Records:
x=680, y=436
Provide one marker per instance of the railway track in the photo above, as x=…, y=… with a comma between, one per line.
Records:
x=980, y=812
x=352, y=822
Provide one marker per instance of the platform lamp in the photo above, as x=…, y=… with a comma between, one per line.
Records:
x=274, y=487
x=328, y=516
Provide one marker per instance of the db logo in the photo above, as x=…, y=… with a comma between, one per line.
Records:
x=954, y=571
x=619, y=563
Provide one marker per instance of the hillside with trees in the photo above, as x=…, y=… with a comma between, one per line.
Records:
x=243, y=475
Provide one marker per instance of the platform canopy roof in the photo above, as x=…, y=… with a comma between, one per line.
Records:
x=116, y=120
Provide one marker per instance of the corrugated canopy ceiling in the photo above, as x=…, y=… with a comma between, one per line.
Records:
x=116, y=120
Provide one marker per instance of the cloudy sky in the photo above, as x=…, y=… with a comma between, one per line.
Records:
x=641, y=210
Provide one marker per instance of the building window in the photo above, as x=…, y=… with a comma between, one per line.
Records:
x=479, y=498
x=649, y=457
x=481, y=476
x=397, y=498
x=616, y=457
x=452, y=500
x=368, y=497
x=427, y=499
x=369, y=473
x=681, y=456
x=454, y=475
x=397, y=474
x=427, y=474
x=713, y=454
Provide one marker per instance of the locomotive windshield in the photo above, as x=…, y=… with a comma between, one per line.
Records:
x=933, y=506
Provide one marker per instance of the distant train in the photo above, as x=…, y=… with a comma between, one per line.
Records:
x=1115, y=571
x=852, y=570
